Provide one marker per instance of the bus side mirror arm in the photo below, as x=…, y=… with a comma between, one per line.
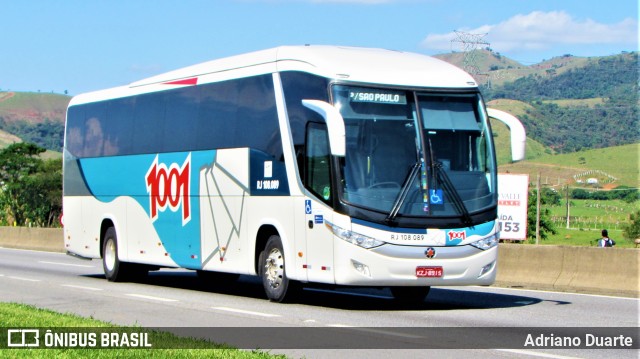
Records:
x=518, y=134
x=335, y=124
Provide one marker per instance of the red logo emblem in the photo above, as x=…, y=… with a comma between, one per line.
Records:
x=169, y=187
x=453, y=235
x=430, y=252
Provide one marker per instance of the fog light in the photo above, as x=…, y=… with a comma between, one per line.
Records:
x=486, y=269
x=361, y=268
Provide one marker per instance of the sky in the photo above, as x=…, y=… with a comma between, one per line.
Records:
x=76, y=46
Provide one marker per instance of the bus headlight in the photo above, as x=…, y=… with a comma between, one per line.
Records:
x=353, y=237
x=487, y=242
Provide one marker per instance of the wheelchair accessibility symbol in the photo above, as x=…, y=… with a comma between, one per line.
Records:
x=307, y=206
x=436, y=196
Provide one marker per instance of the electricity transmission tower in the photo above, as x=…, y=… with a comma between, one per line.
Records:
x=470, y=43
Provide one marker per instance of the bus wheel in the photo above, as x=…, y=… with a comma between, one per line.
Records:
x=114, y=269
x=410, y=295
x=272, y=270
x=110, y=262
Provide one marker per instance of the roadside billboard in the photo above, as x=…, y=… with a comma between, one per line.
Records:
x=513, y=191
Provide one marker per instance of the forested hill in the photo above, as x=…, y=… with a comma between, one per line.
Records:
x=607, y=77
x=33, y=117
x=591, y=106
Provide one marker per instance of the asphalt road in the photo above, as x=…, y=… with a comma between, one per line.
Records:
x=178, y=300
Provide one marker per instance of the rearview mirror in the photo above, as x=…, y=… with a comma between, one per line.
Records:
x=335, y=124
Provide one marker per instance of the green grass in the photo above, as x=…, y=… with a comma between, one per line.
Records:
x=502, y=141
x=589, y=102
x=588, y=218
x=39, y=101
x=621, y=162
x=14, y=315
x=582, y=238
x=33, y=107
x=606, y=213
x=7, y=139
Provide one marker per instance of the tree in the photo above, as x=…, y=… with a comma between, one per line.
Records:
x=17, y=163
x=632, y=230
x=550, y=197
x=546, y=225
x=31, y=188
x=44, y=199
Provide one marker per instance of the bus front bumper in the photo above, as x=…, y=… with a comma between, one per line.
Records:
x=392, y=265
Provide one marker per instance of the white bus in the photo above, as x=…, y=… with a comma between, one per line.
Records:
x=301, y=164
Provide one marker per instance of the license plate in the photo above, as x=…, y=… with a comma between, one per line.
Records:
x=429, y=272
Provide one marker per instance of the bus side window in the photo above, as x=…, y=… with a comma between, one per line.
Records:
x=317, y=155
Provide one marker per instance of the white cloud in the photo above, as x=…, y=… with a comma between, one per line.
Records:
x=543, y=30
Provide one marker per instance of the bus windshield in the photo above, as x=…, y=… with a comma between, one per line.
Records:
x=415, y=154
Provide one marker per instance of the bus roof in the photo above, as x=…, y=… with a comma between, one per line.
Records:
x=362, y=65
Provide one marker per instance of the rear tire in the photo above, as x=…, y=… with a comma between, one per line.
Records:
x=114, y=269
x=410, y=295
x=271, y=265
x=110, y=262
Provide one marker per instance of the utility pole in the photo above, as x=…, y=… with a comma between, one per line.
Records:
x=538, y=210
x=568, y=214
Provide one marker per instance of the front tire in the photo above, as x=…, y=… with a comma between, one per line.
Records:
x=272, y=269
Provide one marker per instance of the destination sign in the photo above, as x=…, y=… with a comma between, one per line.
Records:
x=385, y=97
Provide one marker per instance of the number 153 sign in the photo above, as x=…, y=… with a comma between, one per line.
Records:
x=513, y=191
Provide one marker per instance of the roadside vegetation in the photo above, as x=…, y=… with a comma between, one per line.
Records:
x=587, y=217
x=14, y=315
x=571, y=109
x=31, y=187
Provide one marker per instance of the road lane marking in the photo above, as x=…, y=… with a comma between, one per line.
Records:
x=159, y=299
x=241, y=311
x=545, y=291
x=67, y=264
x=25, y=279
x=81, y=287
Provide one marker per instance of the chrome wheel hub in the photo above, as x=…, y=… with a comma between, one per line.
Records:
x=274, y=268
x=110, y=255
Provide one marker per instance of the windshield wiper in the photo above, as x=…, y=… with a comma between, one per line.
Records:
x=404, y=191
x=450, y=189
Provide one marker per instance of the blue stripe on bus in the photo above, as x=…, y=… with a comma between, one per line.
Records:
x=111, y=177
